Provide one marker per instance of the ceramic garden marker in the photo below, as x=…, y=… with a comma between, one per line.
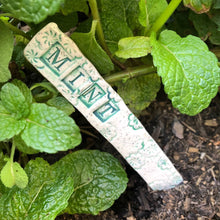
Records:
x=60, y=61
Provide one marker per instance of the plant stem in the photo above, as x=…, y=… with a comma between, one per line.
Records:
x=100, y=34
x=130, y=73
x=165, y=15
x=16, y=30
x=95, y=14
x=12, y=151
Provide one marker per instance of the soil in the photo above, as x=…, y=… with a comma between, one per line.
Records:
x=193, y=145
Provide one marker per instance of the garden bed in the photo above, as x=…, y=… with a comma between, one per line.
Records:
x=193, y=145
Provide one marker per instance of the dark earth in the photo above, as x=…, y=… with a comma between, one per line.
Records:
x=193, y=145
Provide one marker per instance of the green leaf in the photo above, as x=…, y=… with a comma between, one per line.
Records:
x=98, y=178
x=206, y=28
x=139, y=92
x=62, y=104
x=13, y=125
x=31, y=11
x=114, y=22
x=215, y=17
x=132, y=14
x=50, y=130
x=64, y=22
x=24, y=90
x=15, y=101
x=18, y=54
x=216, y=4
x=70, y=6
x=21, y=146
x=44, y=198
x=13, y=174
x=6, y=48
x=150, y=11
x=133, y=47
x=189, y=71
x=92, y=50
x=198, y=6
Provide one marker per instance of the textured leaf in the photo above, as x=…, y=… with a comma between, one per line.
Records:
x=13, y=125
x=188, y=69
x=139, y=92
x=70, y=6
x=24, y=90
x=6, y=48
x=15, y=101
x=98, y=178
x=13, y=174
x=216, y=4
x=206, y=28
x=61, y=103
x=215, y=17
x=50, y=130
x=64, y=22
x=150, y=11
x=91, y=49
x=18, y=54
x=21, y=145
x=132, y=13
x=31, y=11
x=198, y=6
x=44, y=198
x=133, y=47
x=114, y=22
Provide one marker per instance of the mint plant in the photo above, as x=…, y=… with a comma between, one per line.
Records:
x=136, y=45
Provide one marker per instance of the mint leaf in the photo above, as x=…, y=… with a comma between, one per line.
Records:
x=215, y=17
x=70, y=6
x=64, y=22
x=21, y=145
x=92, y=50
x=198, y=6
x=13, y=125
x=132, y=13
x=114, y=22
x=13, y=174
x=14, y=100
x=98, y=179
x=139, y=92
x=150, y=11
x=189, y=71
x=50, y=130
x=24, y=90
x=18, y=54
x=205, y=27
x=133, y=47
x=216, y=4
x=6, y=48
x=62, y=104
x=44, y=198
x=31, y=11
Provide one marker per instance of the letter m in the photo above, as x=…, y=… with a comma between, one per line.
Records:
x=56, y=60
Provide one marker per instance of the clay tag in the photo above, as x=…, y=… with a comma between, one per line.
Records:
x=60, y=61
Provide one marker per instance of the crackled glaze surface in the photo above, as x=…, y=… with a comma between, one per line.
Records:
x=59, y=60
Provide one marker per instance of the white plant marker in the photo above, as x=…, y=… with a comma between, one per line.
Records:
x=59, y=60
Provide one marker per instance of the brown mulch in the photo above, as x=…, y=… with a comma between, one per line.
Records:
x=193, y=145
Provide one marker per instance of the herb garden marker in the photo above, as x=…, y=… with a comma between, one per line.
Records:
x=59, y=60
